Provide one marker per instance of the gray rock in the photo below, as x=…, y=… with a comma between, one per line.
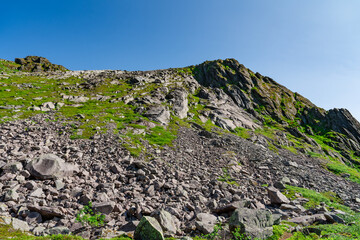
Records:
x=205, y=222
x=13, y=167
x=166, y=221
x=11, y=195
x=48, y=105
x=59, y=184
x=255, y=223
x=38, y=193
x=276, y=197
x=79, y=99
x=158, y=113
x=232, y=207
x=33, y=218
x=31, y=185
x=18, y=224
x=309, y=219
x=104, y=207
x=47, y=212
x=39, y=231
x=179, y=99
x=50, y=166
x=148, y=229
x=58, y=230
x=333, y=218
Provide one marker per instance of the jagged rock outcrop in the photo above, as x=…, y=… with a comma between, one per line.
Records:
x=262, y=97
x=37, y=64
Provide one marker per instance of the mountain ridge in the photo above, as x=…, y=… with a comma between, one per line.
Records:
x=198, y=142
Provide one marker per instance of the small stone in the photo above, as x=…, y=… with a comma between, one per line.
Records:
x=59, y=184
x=38, y=193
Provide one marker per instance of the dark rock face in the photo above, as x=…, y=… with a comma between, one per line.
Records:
x=37, y=64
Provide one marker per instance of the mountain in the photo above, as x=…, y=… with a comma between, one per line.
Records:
x=212, y=149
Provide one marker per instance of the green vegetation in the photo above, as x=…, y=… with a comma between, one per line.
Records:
x=160, y=136
x=340, y=169
x=187, y=70
x=331, y=199
x=8, y=66
x=226, y=177
x=88, y=216
x=242, y=132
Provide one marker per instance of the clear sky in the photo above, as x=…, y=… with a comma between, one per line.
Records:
x=311, y=47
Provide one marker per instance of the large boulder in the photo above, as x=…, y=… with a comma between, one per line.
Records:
x=148, y=229
x=255, y=223
x=50, y=166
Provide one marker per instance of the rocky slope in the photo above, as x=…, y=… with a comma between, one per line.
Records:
x=187, y=146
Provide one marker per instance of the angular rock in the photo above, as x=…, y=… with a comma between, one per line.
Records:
x=232, y=207
x=11, y=195
x=104, y=207
x=179, y=99
x=255, y=223
x=18, y=224
x=50, y=166
x=205, y=222
x=148, y=229
x=333, y=218
x=13, y=167
x=58, y=230
x=276, y=197
x=47, y=212
x=309, y=219
x=158, y=113
x=33, y=218
x=166, y=220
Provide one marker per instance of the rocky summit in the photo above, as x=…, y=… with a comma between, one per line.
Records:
x=212, y=151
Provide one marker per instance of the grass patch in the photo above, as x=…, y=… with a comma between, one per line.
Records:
x=339, y=169
x=160, y=136
x=242, y=132
x=331, y=199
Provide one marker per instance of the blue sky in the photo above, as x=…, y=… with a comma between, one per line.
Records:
x=311, y=47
